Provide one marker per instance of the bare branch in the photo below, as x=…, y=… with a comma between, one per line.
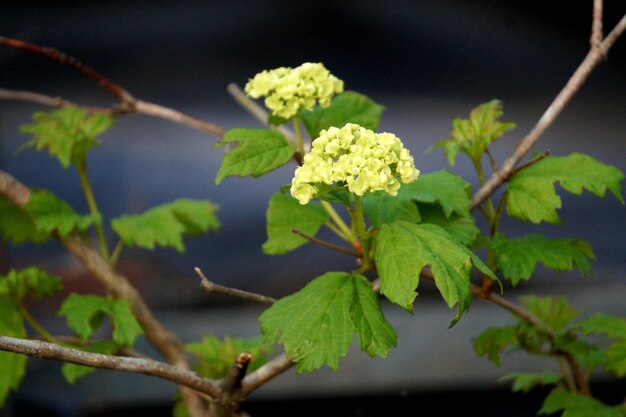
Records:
x=45, y=350
x=325, y=244
x=232, y=380
x=210, y=287
x=585, y=68
x=596, y=25
x=270, y=370
x=62, y=58
x=31, y=97
x=162, y=340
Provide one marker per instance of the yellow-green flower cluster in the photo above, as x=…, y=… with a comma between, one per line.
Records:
x=289, y=90
x=361, y=159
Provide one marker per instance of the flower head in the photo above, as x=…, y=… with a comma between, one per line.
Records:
x=356, y=157
x=289, y=90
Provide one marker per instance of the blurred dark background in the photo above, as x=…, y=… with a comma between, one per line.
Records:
x=425, y=61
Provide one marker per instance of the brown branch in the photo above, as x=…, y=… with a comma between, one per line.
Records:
x=270, y=370
x=127, y=102
x=596, y=25
x=45, y=350
x=62, y=58
x=232, y=380
x=325, y=244
x=533, y=161
x=594, y=56
x=162, y=340
x=210, y=287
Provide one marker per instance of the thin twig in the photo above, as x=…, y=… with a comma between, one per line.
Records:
x=232, y=380
x=579, y=376
x=594, y=56
x=31, y=97
x=325, y=244
x=492, y=160
x=211, y=287
x=596, y=25
x=254, y=109
x=45, y=350
x=270, y=370
x=162, y=340
x=533, y=161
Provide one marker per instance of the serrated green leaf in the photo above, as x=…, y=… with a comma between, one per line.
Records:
x=125, y=326
x=448, y=190
x=84, y=315
x=462, y=229
x=517, y=258
x=556, y=312
x=17, y=226
x=493, y=340
x=531, y=191
x=404, y=249
x=13, y=366
x=284, y=214
x=611, y=326
x=51, y=214
x=616, y=358
x=525, y=381
x=165, y=225
x=317, y=323
x=575, y=405
x=375, y=334
x=381, y=208
x=71, y=372
x=68, y=133
x=474, y=134
x=30, y=282
x=348, y=107
x=215, y=357
x=258, y=151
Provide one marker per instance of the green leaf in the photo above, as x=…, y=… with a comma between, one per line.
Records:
x=285, y=214
x=215, y=357
x=404, y=249
x=556, y=312
x=448, y=190
x=125, y=326
x=375, y=334
x=531, y=191
x=317, y=323
x=84, y=314
x=13, y=366
x=616, y=358
x=68, y=133
x=258, y=151
x=525, y=381
x=29, y=282
x=348, y=107
x=493, y=340
x=611, y=326
x=71, y=372
x=17, y=226
x=575, y=405
x=517, y=258
x=474, y=134
x=462, y=229
x=381, y=208
x=165, y=225
x=51, y=214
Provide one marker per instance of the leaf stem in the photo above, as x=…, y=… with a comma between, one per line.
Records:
x=298, y=131
x=325, y=244
x=93, y=208
x=346, y=233
x=117, y=251
x=359, y=224
x=38, y=327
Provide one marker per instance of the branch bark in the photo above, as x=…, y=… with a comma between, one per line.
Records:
x=210, y=286
x=594, y=56
x=45, y=350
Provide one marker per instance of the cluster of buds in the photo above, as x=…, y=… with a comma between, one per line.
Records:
x=356, y=157
x=289, y=90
